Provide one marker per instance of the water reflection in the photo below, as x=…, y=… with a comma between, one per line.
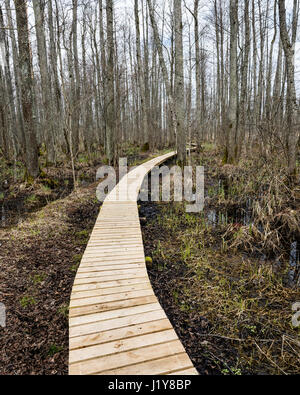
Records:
x=3, y=217
x=294, y=273
x=241, y=217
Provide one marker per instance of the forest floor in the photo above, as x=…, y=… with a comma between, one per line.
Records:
x=226, y=286
x=215, y=274
x=38, y=262
x=44, y=231
x=18, y=198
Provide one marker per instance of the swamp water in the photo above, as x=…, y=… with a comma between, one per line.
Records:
x=244, y=217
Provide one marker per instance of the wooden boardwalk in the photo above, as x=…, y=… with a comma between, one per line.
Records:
x=117, y=326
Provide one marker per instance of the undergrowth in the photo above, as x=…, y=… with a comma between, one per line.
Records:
x=262, y=188
x=243, y=302
x=225, y=292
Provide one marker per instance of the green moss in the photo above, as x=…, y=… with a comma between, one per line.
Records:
x=84, y=234
x=145, y=147
x=32, y=199
x=27, y=301
x=149, y=261
x=77, y=258
x=54, y=349
x=38, y=279
x=105, y=161
x=51, y=183
x=64, y=310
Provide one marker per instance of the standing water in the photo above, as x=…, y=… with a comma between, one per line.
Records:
x=294, y=273
x=3, y=218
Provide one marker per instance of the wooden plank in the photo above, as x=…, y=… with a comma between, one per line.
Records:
x=114, y=272
x=146, y=326
x=98, y=268
x=103, y=266
x=186, y=372
x=118, y=231
x=115, y=238
x=115, y=249
x=98, y=262
x=123, y=227
x=131, y=312
x=157, y=367
x=113, y=243
x=119, y=360
x=122, y=345
x=77, y=311
x=110, y=291
x=111, y=257
x=83, y=281
x=110, y=298
x=136, y=253
x=110, y=284
x=121, y=241
x=117, y=323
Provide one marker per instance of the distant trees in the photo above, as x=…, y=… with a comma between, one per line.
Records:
x=92, y=78
x=257, y=107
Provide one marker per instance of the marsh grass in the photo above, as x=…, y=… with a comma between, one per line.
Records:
x=214, y=273
x=244, y=300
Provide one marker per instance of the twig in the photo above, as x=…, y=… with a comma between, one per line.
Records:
x=269, y=359
x=223, y=337
x=235, y=339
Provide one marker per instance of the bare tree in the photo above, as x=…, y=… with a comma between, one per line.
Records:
x=179, y=83
x=288, y=43
x=110, y=73
x=244, y=83
x=39, y=12
x=26, y=74
x=233, y=94
x=140, y=74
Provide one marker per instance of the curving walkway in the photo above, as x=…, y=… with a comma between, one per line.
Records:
x=117, y=326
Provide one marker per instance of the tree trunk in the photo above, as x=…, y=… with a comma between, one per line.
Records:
x=110, y=72
x=230, y=156
x=292, y=134
x=141, y=78
x=4, y=47
x=244, y=82
x=179, y=84
x=39, y=8
x=56, y=95
x=163, y=67
x=198, y=74
x=76, y=81
x=26, y=77
x=20, y=128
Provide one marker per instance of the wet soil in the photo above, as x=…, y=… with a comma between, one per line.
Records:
x=18, y=200
x=168, y=282
x=227, y=310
